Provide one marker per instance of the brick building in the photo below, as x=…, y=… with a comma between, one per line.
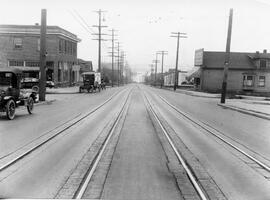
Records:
x=20, y=46
x=248, y=72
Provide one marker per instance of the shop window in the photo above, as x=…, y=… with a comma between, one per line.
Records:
x=15, y=63
x=32, y=63
x=18, y=43
x=248, y=81
x=261, y=82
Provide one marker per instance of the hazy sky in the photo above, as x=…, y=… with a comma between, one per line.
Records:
x=144, y=27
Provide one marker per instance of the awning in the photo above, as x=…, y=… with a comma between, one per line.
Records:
x=194, y=73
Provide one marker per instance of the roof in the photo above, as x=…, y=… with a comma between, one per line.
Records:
x=10, y=69
x=213, y=59
x=35, y=30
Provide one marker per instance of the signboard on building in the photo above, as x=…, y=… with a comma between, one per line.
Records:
x=198, y=59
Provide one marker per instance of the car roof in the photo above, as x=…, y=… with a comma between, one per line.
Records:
x=11, y=69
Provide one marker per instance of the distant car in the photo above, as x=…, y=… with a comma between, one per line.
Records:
x=11, y=93
x=50, y=84
x=91, y=82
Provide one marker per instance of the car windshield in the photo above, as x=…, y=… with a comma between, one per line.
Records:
x=5, y=79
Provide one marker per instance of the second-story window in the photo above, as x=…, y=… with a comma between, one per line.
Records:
x=18, y=43
x=262, y=64
x=38, y=44
x=61, y=45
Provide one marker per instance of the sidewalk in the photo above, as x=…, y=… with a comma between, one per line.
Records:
x=251, y=107
x=63, y=90
x=193, y=93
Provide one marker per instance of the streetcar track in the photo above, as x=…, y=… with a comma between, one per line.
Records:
x=83, y=186
x=208, y=128
x=73, y=122
x=185, y=165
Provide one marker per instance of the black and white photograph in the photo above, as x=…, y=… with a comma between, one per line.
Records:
x=135, y=100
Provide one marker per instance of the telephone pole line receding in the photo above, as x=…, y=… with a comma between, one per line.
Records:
x=118, y=63
x=162, y=59
x=227, y=59
x=156, y=62
x=43, y=30
x=99, y=26
x=178, y=35
x=113, y=35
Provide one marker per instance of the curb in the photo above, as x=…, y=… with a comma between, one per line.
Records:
x=62, y=92
x=44, y=102
x=245, y=111
x=189, y=93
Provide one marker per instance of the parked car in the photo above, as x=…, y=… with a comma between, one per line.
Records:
x=11, y=93
x=91, y=82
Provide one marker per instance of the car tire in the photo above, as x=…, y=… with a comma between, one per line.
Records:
x=10, y=109
x=30, y=105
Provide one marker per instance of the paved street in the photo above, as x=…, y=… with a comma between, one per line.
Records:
x=138, y=162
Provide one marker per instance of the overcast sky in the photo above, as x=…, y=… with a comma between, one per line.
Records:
x=144, y=27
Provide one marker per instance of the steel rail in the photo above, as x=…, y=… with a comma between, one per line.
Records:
x=80, y=192
x=207, y=128
x=180, y=158
x=27, y=152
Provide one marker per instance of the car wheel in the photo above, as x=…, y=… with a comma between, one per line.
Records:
x=10, y=109
x=30, y=105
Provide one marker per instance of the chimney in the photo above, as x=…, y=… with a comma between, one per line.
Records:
x=36, y=24
x=264, y=51
x=257, y=52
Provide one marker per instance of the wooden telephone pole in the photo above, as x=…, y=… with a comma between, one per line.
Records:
x=42, y=57
x=178, y=35
x=227, y=59
x=99, y=26
x=162, y=62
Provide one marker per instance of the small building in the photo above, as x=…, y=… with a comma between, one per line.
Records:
x=170, y=76
x=248, y=72
x=20, y=47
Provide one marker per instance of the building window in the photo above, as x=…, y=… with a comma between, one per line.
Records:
x=38, y=44
x=261, y=81
x=61, y=46
x=262, y=64
x=248, y=81
x=15, y=63
x=18, y=43
x=32, y=63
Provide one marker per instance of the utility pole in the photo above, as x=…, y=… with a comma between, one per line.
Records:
x=162, y=58
x=227, y=59
x=156, y=62
x=42, y=57
x=118, y=64
x=151, y=75
x=113, y=35
x=122, y=66
x=99, y=26
x=178, y=35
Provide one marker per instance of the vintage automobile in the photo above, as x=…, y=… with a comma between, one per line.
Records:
x=91, y=82
x=11, y=94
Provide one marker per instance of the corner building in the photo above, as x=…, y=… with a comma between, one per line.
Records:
x=20, y=48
